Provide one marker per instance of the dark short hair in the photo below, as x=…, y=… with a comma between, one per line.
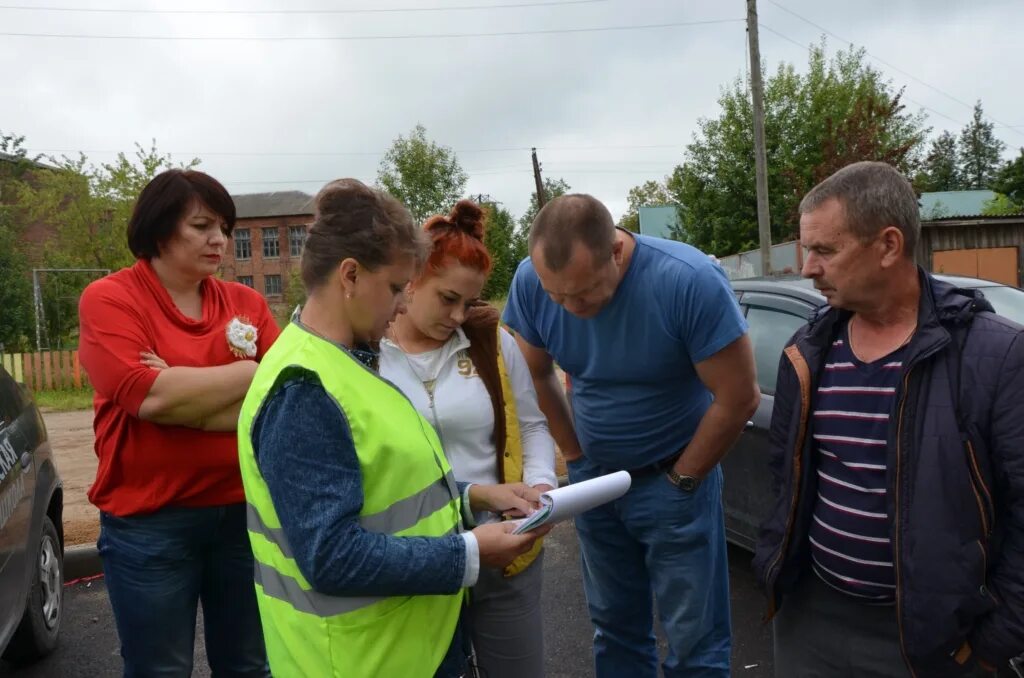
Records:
x=354, y=221
x=568, y=219
x=163, y=203
x=874, y=196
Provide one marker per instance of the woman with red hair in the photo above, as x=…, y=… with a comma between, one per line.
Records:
x=466, y=375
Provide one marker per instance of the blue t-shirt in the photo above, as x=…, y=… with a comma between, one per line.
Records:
x=636, y=397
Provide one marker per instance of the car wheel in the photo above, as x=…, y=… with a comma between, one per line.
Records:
x=37, y=634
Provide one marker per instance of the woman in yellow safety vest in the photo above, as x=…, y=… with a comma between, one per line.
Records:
x=353, y=513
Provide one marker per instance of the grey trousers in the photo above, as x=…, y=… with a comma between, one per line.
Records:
x=822, y=633
x=506, y=623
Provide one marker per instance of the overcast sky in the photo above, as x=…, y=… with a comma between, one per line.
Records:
x=606, y=109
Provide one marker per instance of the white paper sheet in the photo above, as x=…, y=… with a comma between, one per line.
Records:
x=571, y=500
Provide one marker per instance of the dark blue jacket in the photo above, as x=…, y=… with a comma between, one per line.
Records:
x=956, y=501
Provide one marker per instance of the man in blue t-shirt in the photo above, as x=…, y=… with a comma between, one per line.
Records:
x=662, y=384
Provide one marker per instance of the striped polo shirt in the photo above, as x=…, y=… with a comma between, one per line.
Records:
x=849, y=533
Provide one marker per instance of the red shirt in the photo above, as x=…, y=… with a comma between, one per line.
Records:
x=145, y=466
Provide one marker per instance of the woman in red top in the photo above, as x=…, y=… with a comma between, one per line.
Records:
x=171, y=350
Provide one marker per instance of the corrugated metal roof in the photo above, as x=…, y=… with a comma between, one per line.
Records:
x=952, y=204
x=276, y=204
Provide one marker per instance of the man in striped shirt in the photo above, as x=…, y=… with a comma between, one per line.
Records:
x=896, y=546
x=849, y=536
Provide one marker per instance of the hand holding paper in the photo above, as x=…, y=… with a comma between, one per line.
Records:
x=515, y=498
x=571, y=500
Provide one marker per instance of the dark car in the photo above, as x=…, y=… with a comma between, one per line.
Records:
x=31, y=536
x=775, y=308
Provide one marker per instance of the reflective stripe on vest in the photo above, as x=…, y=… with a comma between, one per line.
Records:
x=400, y=516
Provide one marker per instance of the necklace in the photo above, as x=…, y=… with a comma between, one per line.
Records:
x=426, y=370
x=906, y=339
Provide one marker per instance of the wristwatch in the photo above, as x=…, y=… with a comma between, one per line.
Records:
x=685, y=483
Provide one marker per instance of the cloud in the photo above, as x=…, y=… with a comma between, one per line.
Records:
x=593, y=103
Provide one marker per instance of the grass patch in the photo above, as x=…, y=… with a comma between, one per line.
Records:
x=64, y=401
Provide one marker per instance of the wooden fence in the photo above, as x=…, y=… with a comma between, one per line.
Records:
x=46, y=370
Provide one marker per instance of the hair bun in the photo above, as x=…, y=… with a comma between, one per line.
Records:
x=469, y=218
x=343, y=195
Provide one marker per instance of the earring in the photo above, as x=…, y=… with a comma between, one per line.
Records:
x=348, y=295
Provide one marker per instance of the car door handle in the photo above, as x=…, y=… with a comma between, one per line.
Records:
x=750, y=424
x=26, y=460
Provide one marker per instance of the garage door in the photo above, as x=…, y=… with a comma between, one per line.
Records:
x=996, y=263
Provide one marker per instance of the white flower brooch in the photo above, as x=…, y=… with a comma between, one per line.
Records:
x=242, y=336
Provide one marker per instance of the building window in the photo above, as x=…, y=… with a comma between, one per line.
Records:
x=243, y=244
x=245, y=280
x=272, y=285
x=296, y=239
x=271, y=247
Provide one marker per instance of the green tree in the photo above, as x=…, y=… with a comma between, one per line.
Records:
x=840, y=111
x=1009, y=180
x=295, y=293
x=15, y=291
x=980, y=151
x=500, y=239
x=426, y=177
x=648, y=194
x=940, y=170
x=553, y=188
x=88, y=208
x=16, y=313
x=1001, y=206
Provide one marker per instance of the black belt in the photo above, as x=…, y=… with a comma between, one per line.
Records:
x=660, y=466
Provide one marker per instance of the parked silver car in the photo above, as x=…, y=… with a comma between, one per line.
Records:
x=31, y=534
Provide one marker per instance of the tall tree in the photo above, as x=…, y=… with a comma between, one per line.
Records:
x=980, y=151
x=426, y=177
x=87, y=208
x=840, y=111
x=1009, y=180
x=941, y=168
x=649, y=194
x=500, y=239
x=15, y=282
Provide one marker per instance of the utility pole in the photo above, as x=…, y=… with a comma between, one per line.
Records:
x=764, y=228
x=540, y=184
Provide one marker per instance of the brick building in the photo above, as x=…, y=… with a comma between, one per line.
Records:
x=270, y=230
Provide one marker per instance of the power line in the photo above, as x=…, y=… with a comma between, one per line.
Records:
x=507, y=149
x=366, y=38
x=888, y=65
x=374, y=10
x=274, y=182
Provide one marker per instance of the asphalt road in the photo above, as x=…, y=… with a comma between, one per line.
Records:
x=89, y=644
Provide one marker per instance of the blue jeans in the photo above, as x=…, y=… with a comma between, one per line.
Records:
x=159, y=566
x=659, y=541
